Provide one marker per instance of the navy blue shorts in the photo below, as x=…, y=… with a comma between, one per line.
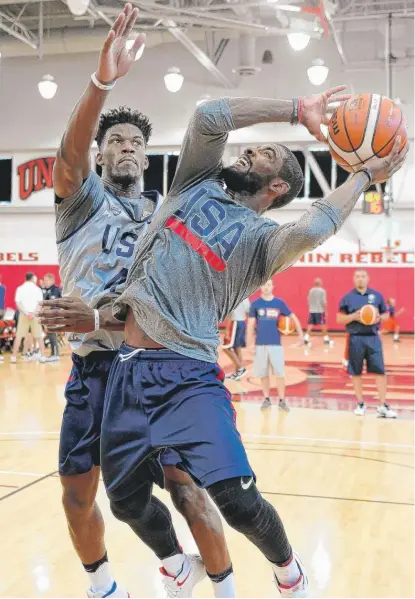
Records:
x=365, y=347
x=159, y=399
x=79, y=447
x=317, y=318
x=235, y=334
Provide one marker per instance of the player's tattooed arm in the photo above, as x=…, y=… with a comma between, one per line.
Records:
x=325, y=217
x=72, y=315
x=73, y=162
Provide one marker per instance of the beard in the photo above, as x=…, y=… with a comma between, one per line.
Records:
x=124, y=181
x=248, y=183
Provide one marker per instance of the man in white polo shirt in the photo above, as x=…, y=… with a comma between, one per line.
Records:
x=28, y=297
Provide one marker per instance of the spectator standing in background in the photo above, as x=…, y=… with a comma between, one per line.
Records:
x=235, y=339
x=2, y=306
x=51, y=291
x=2, y=298
x=391, y=325
x=28, y=298
x=364, y=343
x=317, y=306
x=269, y=353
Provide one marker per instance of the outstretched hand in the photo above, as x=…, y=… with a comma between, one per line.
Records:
x=317, y=109
x=116, y=59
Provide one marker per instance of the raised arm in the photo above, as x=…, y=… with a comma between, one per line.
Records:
x=73, y=163
x=286, y=244
x=207, y=133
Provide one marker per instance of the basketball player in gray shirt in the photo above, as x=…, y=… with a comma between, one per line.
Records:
x=98, y=224
x=207, y=249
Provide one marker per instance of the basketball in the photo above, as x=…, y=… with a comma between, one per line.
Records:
x=286, y=325
x=368, y=315
x=365, y=126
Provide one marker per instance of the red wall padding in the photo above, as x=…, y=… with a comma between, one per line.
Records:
x=13, y=275
x=292, y=285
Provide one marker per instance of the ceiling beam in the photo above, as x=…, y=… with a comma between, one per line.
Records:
x=197, y=52
x=18, y=31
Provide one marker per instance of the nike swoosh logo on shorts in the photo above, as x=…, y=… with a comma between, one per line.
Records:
x=246, y=486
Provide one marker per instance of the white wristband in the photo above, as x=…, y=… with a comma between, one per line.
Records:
x=103, y=86
x=96, y=319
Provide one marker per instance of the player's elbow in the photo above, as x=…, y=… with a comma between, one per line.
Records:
x=211, y=117
x=339, y=318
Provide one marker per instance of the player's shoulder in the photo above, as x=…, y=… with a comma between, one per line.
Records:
x=257, y=302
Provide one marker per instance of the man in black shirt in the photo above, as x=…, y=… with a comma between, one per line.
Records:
x=51, y=291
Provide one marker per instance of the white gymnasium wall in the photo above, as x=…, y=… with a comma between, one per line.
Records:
x=29, y=122
x=34, y=126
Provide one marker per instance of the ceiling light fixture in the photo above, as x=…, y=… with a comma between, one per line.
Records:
x=173, y=80
x=47, y=87
x=318, y=72
x=78, y=7
x=298, y=41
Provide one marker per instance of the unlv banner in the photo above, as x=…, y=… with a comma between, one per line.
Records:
x=32, y=180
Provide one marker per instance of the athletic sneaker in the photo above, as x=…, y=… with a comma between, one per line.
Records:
x=193, y=571
x=13, y=359
x=282, y=404
x=385, y=412
x=1, y=358
x=299, y=588
x=115, y=591
x=51, y=359
x=360, y=409
x=240, y=373
x=266, y=403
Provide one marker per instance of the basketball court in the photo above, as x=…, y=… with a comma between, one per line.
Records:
x=342, y=483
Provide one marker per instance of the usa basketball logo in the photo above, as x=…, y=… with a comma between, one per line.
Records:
x=371, y=298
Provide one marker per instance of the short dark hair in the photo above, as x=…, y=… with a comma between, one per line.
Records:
x=29, y=276
x=292, y=174
x=123, y=114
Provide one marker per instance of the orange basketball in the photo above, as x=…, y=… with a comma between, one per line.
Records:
x=368, y=315
x=286, y=325
x=363, y=127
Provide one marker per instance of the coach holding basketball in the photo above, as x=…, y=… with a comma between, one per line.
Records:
x=364, y=341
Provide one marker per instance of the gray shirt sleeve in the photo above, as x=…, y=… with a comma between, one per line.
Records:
x=203, y=146
x=72, y=212
x=286, y=244
x=207, y=133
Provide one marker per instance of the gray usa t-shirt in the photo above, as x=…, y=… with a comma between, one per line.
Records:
x=204, y=253
x=96, y=233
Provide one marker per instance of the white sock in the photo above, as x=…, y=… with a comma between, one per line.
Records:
x=306, y=337
x=289, y=573
x=223, y=584
x=174, y=564
x=101, y=579
x=326, y=338
x=395, y=337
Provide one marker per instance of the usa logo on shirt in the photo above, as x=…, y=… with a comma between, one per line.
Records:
x=371, y=298
x=261, y=312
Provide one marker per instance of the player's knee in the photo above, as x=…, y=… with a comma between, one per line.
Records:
x=133, y=508
x=77, y=500
x=192, y=502
x=238, y=505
